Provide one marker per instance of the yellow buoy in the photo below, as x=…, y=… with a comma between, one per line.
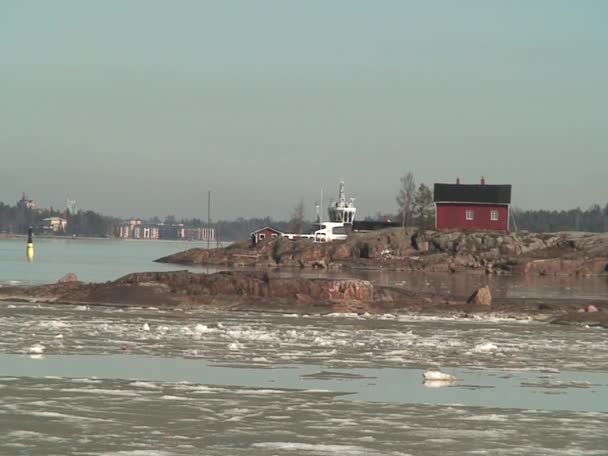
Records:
x=29, y=250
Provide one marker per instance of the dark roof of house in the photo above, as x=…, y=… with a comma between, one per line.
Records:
x=464, y=193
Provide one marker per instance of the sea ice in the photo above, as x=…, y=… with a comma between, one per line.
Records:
x=484, y=348
x=200, y=329
x=235, y=346
x=437, y=383
x=37, y=349
x=438, y=376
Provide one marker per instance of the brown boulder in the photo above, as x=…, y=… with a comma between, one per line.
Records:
x=481, y=297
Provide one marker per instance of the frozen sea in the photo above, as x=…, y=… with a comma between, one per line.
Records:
x=99, y=381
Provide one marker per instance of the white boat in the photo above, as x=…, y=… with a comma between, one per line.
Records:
x=342, y=210
x=341, y=217
x=332, y=231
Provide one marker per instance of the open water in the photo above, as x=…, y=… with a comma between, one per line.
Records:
x=100, y=381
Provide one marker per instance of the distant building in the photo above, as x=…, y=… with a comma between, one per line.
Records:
x=129, y=229
x=54, y=225
x=476, y=207
x=70, y=206
x=171, y=231
x=139, y=229
x=148, y=231
x=199, y=234
x=265, y=233
x=26, y=203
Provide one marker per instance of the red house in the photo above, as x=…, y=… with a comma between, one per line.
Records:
x=262, y=234
x=472, y=207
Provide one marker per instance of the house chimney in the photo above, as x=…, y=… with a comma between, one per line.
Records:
x=458, y=181
x=483, y=180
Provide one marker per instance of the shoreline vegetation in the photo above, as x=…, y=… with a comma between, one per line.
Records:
x=410, y=250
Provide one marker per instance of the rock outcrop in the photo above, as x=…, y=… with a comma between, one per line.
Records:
x=266, y=291
x=430, y=251
x=69, y=277
x=481, y=297
x=598, y=318
x=180, y=288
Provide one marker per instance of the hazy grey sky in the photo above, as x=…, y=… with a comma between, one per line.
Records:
x=139, y=107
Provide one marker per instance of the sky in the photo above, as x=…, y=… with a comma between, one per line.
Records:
x=140, y=107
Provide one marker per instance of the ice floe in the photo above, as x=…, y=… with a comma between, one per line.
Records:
x=438, y=376
x=485, y=348
x=36, y=349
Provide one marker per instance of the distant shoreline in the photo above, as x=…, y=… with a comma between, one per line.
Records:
x=4, y=236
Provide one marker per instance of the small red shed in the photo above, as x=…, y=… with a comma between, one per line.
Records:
x=472, y=207
x=265, y=233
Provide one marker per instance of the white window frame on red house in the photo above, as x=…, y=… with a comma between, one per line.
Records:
x=261, y=236
x=494, y=216
x=470, y=214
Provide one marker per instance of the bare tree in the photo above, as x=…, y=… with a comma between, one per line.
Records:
x=423, y=208
x=297, y=217
x=405, y=198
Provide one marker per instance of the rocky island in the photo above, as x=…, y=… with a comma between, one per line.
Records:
x=263, y=291
x=427, y=252
x=567, y=253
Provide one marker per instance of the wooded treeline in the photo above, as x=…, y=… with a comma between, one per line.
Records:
x=594, y=219
x=419, y=212
x=16, y=220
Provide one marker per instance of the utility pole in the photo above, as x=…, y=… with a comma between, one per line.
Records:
x=321, y=204
x=208, y=219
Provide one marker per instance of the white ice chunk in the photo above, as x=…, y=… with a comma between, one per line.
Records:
x=235, y=346
x=484, y=348
x=438, y=376
x=37, y=349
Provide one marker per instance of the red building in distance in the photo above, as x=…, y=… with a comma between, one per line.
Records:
x=478, y=207
x=265, y=233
